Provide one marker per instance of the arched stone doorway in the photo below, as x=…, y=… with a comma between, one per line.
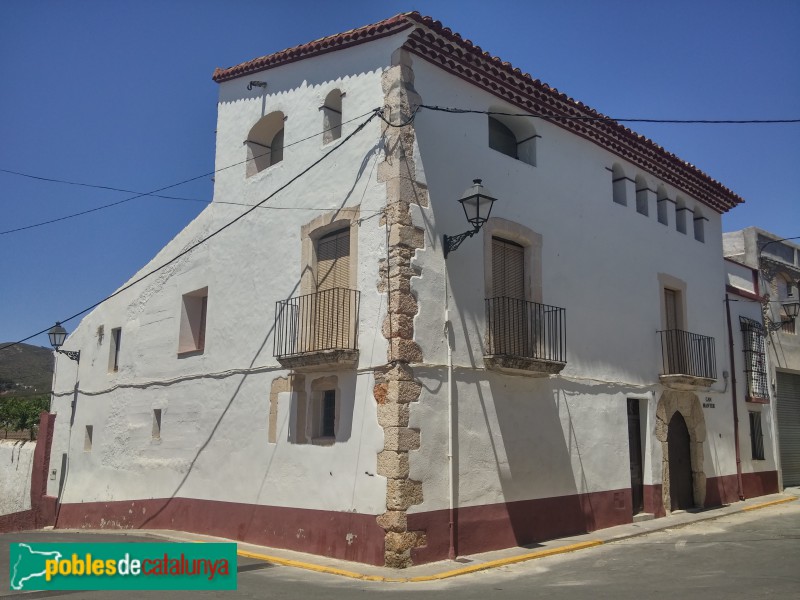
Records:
x=688, y=406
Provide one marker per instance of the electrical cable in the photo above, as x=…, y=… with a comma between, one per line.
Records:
x=185, y=251
x=612, y=119
x=142, y=194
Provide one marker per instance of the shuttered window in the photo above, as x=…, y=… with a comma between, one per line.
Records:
x=508, y=269
x=333, y=261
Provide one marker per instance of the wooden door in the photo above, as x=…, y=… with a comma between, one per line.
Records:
x=680, y=464
x=635, y=451
x=509, y=328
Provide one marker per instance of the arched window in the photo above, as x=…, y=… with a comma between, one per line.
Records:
x=699, y=222
x=619, y=183
x=332, y=117
x=662, y=203
x=514, y=137
x=265, y=143
x=641, y=196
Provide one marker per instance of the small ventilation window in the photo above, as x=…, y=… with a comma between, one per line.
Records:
x=699, y=226
x=619, y=183
x=87, y=439
x=113, y=355
x=662, y=205
x=515, y=137
x=642, y=192
x=265, y=143
x=156, y=423
x=194, y=307
x=332, y=117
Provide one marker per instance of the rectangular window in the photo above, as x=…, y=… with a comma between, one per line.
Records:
x=113, y=356
x=755, y=365
x=156, y=423
x=756, y=436
x=328, y=424
x=193, y=322
x=87, y=440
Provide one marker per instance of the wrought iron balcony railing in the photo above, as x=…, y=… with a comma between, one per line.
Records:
x=326, y=320
x=526, y=329
x=686, y=353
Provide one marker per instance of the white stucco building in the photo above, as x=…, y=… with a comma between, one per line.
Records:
x=318, y=376
x=776, y=265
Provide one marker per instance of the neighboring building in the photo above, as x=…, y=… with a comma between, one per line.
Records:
x=777, y=263
x=302, y=379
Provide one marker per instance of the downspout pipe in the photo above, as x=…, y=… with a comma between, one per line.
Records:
x=740, y=487
x=448, y=329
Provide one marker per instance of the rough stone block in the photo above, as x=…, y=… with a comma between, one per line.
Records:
x=397, y=560
x=400, y=439
x=403, y=304
x=402, y=493
x=403, y=392
x=398, y=326
x=380, y=391
x=405, y=351
x=393, y=465
x=406, y=235
x=393, y=415
x=397, y=542
x=393, y=520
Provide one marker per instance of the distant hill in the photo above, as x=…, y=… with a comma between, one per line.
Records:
x=25, y=370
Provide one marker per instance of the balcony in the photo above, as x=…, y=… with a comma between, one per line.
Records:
x=524, y=338
x=317, y=331
x=689, y=362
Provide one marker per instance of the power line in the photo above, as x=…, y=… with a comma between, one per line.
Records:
x=209, y=236
x=449, y=109
x=142, y=194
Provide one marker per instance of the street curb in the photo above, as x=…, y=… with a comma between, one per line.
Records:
x=771, y=503
x=443, y=575
x=492, y=564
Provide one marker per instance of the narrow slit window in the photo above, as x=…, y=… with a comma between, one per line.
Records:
x=87, y=439
x=194, y=310
x=156, y=423
x=328, y=428
x=116, y=341
x=756, y=436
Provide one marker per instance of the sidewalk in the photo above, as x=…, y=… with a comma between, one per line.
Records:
x=488, y=560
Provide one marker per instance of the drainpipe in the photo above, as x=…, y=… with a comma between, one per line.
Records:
x=448, y=330
x=739, y=486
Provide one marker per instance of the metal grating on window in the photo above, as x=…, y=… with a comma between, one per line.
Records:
x=755, y=365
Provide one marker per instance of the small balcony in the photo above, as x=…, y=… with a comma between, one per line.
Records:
x=689, y=361
x=317, y=331
x=524, y=338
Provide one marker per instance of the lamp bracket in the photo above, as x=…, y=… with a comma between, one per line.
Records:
x=74, y=355
x=452, y=242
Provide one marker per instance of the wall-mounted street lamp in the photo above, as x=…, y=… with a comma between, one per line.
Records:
x=792, y=309
x=477, y=203
x=57, y=335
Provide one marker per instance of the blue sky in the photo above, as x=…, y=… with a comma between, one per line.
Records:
x=120, y=94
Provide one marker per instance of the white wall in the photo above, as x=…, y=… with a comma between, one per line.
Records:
x=526, y=438
x=16, y=466
x=215, y=405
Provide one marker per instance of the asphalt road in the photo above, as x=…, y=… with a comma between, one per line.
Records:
x=744, y=555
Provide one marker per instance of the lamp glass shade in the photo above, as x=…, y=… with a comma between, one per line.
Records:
x=792, y=309
x=477, y=202
x=57, y=335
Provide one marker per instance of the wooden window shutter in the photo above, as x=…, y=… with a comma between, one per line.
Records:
x=508, y=269
x=333, y=261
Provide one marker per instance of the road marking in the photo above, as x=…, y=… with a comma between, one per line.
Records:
x=443, y=575
x=771, y=503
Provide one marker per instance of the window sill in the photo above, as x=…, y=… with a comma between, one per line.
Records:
x=323, y=441
x=187, y=353
x=756, y=399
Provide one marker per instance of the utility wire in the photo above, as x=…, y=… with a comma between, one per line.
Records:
x=209, y=236
x=610, y=119
x=142, y=194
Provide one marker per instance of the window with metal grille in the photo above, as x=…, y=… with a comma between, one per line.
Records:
x=756, y=436
x=755, y=364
